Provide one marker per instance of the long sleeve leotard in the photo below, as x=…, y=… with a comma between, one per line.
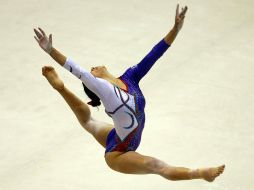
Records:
x=126, y=108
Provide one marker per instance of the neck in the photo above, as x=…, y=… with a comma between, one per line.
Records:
x=110, y=78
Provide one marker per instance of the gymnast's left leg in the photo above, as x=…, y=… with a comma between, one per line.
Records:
x=134, y=163
x=81, y=110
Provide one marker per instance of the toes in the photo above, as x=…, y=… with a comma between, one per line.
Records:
x=43, y=70
x=49, y=68
x=46, y=69
x=219, y=171
x=214, y=172
x=222, y=168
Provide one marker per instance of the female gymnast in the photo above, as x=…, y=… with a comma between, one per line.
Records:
x=124, y=103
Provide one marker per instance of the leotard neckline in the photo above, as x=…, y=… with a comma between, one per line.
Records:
x=126, y=86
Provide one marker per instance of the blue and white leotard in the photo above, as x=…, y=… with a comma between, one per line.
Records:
x=126, y=108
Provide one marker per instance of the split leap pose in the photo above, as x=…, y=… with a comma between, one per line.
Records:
x=124, y=103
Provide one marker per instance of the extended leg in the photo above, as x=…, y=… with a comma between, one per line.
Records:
x=135, y=163
x=98, y=129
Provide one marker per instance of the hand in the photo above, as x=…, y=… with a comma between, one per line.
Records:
x=42, y=39
x=179, y=18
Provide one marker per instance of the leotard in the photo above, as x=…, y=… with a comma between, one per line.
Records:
x=126, y=108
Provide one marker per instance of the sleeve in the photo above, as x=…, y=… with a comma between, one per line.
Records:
x=137, y=72
x=97, y=85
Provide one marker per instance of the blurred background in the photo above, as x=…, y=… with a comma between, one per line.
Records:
x=199, y=95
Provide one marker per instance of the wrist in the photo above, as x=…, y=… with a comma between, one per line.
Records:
x=49, y=50
x=175, y=29
x=61, y=89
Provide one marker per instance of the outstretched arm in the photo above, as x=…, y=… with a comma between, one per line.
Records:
x=137, y=72
x=96, y=85
x=58, y=56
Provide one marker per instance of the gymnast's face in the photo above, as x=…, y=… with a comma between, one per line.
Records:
x=100, y=71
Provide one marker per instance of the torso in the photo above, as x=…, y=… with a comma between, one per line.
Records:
x=126, y=135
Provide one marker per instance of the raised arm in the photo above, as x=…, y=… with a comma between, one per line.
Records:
x=137, y=72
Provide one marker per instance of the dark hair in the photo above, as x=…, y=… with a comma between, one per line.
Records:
x=95, y=99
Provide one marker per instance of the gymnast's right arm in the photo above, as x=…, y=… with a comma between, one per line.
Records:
x=99, y=86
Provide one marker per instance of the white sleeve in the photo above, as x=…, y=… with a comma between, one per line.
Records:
x=98, y=86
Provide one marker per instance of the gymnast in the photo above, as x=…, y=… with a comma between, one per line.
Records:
x=124, y=103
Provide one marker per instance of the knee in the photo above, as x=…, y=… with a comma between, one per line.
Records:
x=109, y=162
x=153, y=165
x=83, y=113
x=88, y=125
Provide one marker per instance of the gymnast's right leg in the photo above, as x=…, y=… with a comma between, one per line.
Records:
x=98, y=129
x=134, y=163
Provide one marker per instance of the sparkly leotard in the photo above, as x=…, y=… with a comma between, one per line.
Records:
x=131, y=78
x=126, y=108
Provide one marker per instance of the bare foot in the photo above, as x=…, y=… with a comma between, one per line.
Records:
x=209, y=174
x=51, y=75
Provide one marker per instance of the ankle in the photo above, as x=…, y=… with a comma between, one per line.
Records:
x=195, y=174
x=60, y=89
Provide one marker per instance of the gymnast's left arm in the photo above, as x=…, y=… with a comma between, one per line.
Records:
x=179, y=20
x=137, y=72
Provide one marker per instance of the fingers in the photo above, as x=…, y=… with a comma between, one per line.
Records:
x=50, y=38
x=38, y=34
x=43, y=33
x=36, y=39
x=180, y=16
x=177, y=10
x=183, y=12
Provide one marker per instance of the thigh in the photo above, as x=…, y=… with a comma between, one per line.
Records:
x=99, y=130
x=129, y=162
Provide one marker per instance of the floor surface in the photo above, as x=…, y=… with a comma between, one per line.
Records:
x=200, y=94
